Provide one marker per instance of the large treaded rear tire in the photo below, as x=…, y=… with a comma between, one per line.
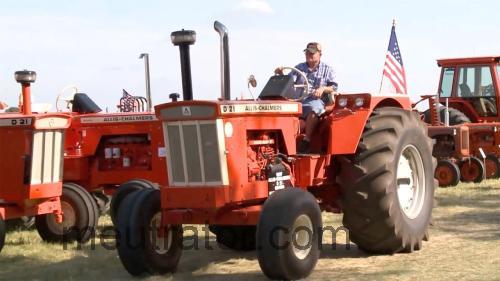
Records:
x=83, y=212
x=457, y=117
x=371, y=191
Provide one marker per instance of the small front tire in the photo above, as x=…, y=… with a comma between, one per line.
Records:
x=289, y=234
x=141, y=248
x=447, y=173
x=472, y=170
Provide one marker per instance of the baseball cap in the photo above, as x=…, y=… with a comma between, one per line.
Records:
x=313, y=47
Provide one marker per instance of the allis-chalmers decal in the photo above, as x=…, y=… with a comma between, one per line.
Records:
x=112, y=119
x=256, y=108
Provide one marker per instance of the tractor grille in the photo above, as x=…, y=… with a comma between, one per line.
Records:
x=46, y=161
x=195, y=153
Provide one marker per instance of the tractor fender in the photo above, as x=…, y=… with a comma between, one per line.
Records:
x=346, y=126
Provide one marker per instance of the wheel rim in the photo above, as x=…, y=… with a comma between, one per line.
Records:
x=444, y=174
x=470, y=170
x=302, y=236
x=69, y=219
x=160, y=243
x=411, y=182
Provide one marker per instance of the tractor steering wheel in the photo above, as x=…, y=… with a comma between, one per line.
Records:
x=62, y=98
x=305, y=86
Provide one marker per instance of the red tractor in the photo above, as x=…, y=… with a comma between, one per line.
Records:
x=104, y=150
x=469, y=90
x=234, y=165
x=31, y=145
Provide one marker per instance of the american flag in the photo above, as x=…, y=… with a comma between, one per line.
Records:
x=394, y=71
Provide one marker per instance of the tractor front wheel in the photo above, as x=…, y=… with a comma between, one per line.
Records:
x=289, y=234
x=2, y=233
x=472, y=170
x=492, y=165
x=123, y=191
x=144, y=244
x=447, y=173
x=80, y=217
x=388, y=185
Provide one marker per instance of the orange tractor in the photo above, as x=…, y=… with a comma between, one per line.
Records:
x=103, y=150
x=31, y=146
x=467, y=102
x=234, y=164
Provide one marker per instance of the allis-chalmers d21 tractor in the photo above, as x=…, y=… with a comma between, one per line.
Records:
x=234, y=164
x=31, y=146
x=470, y=134
x=101, y=152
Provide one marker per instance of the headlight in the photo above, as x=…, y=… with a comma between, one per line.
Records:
x=359, y=102
x=342, y=102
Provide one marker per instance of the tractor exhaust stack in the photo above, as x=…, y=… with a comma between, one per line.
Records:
x=183, y=39
x=25, y=78
x=224, y=51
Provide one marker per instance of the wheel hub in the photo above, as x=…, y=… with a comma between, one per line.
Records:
x=302, y=232
x=410, y=181
x=69, y=219
x=160, y=243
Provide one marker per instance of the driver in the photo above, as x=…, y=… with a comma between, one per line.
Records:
x=321, y=78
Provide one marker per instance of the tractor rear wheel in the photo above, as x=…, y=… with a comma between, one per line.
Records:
x=123, y=191
x=456, y=117
x=144, y=245
x=447, y=173
x=472, y=170
x=388, y=185
x=492, y=165
x=289, y=234
x=2, y=233
x=235, y=237
x=80, y=217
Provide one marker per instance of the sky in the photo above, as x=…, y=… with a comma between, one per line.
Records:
x=95, y=45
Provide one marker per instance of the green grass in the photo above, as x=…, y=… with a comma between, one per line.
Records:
x=464, y=244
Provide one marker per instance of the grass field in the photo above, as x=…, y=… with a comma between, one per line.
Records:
x=464, y=244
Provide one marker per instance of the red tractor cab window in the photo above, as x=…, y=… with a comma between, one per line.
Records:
x=447, y=82
x=475, y=84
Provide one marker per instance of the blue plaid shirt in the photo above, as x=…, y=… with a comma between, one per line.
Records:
x=321, y=76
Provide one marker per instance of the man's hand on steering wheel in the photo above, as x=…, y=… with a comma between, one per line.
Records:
x=278, y=70
x=323, y=90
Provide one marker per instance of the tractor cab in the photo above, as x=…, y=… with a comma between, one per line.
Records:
x=471, y=85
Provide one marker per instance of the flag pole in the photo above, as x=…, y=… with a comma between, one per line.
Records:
x=382, y=79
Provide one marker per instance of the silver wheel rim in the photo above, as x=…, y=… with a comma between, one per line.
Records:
x=160, y=244
x=410, y=181
x=69, y=219
x=302, y=236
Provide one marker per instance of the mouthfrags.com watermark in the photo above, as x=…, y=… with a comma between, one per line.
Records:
x=200, y=238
